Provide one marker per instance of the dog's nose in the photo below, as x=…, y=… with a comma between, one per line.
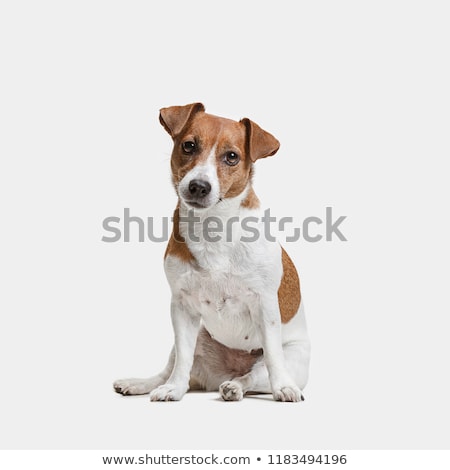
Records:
x=199, y=188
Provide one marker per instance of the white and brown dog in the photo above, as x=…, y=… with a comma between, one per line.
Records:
x=236, y=310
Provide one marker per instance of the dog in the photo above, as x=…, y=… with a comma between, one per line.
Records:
x=236, y=309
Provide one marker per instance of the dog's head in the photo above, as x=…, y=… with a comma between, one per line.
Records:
x=212, y=156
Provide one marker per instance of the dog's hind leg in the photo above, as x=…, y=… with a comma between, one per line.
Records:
x=145, y=386
x=256, y=381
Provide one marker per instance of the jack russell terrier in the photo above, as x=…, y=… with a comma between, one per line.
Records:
x=236, y=310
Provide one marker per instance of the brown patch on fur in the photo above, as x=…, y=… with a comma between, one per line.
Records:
x=289, y=291
x=208, y=131
x=247, y=139
x=177, y=244
x=260, y=144
x=251, y=201
x=174, y=118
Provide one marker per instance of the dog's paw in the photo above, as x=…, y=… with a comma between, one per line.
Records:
x=290, y=393
x=136, y=386
x=167, y=392
x=231, y=391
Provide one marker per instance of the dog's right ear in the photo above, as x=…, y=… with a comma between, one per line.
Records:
x=174, y=118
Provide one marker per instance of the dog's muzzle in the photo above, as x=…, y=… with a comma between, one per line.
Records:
x=198, y=194
x=198, y=189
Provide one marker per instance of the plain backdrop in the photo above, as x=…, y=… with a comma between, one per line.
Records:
x=358, y=95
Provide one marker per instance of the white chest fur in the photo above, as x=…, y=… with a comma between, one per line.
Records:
x=227, y=299
x=225, y=283
x=227, y=305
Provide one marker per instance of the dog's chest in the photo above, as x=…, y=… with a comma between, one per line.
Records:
x=226, y=301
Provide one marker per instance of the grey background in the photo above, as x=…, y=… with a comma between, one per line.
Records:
x=357, y=93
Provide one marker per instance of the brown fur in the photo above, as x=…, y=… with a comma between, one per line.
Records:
x=289, y=291
x=206, y=131
x=251, y=201
x=247, y=139
x=177, y=245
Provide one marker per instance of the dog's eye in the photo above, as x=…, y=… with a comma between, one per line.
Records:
x=188, y=147
x=232, y=158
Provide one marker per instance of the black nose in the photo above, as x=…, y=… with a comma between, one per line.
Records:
x=199, y=188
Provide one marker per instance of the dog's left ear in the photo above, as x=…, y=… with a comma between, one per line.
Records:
x=259, y=143
x=174, y=118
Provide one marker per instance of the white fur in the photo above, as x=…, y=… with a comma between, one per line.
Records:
x=233, y=293
x=231, y=290
x=207, y=172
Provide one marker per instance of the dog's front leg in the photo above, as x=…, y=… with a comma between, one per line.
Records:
x=283, y=386
x=186, y=326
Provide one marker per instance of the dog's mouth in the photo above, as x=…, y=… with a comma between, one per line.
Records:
x=196, y=205
x=199, y=205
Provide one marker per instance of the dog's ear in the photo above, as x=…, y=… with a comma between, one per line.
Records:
x=259, y=143
x=175, y=118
